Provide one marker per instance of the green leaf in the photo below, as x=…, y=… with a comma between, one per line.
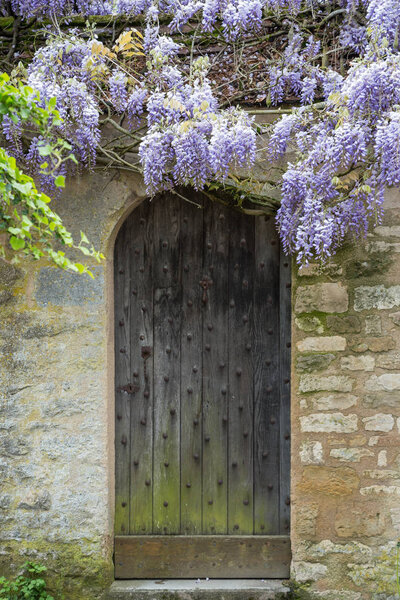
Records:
x=60, y=181
x=16, y=243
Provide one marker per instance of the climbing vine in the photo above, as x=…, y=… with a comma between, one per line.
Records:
x=180, y=85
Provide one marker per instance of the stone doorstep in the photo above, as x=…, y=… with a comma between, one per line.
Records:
x=190, y=589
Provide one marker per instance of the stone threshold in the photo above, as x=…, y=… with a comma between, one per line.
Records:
x=199, y=589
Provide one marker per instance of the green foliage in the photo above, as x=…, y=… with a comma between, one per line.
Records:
x=28, y=586
x=32, y=228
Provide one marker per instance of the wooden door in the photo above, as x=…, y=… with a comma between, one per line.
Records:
x=202, y=348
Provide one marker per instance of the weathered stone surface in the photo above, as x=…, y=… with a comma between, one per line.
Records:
x=357, y=363
x=326, y=547
x=375, y=263
x=378, y=399
x=379, y=422
x=345, y=324
x=35, y=500
x=311, y=453
x=309, y=323
x=385, y=490
x=382, y=474
x=350, y=454
x=395, y=517
x=388, y=231
x=389, y=360
x=387, y=382
x=5, y=296
x=330, y=481
x=306, y=517
x=9, y=274
x=323, y=297
x=374, y=344
x=11, y=445
x=376, y=296
x=62, y=288
x=322, y=344
x=338, y=595
x=331, y=383
x=363, y=522
x=314, y=362
x=395, y=316
x=302, y=571
x=334, y=402
x=329, y=422
x=382, y=459
x=373, y=325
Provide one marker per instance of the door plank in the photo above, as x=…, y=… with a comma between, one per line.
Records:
x=122, y=379
x=266, y=379
x=202, y=556
x=285, y=344
x=141, y=339
x=167, y=325
x=215, y=369
x=191, y=240
x=240, y=445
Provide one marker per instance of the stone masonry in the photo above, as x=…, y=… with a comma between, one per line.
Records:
x=57, y=417
x=346, y=420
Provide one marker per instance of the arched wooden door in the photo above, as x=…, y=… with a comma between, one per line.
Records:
x=202, y=348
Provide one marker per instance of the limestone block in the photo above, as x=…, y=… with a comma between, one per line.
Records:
x=373, y=325
x=387, y=382
x=390, y=360
x=357, y=363
x=345, y=324
x=395, y=317
x=306, y=517
x=302, y=571
x=331, y=383
x=375, y=344
x=388, y=231
x=334, y=402
x=326, y=547
x=382, y=474
x=309, y=323
x=333, y=343
x=378, y=399
x=380, y=490
x=350, y=454
x=331, y=481
x=311, y=453
x=329, y=422
x=354, y=523
x=379, y=422
x=324, y=297
x=376, y=296
x=382, y=459
x=314, y=362
x=395, y=517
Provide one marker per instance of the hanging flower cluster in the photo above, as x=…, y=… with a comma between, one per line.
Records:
x=346, y=133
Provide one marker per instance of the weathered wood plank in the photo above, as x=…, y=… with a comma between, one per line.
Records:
x=122, y=257
x=191, y=368
x=240, y=444
x=215, y=369
x=167, y=356
x=202, y=556
x=140, y=225
x=285, y=372
x=266, y=379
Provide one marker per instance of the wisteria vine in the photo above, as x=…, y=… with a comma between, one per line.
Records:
x=344, y=131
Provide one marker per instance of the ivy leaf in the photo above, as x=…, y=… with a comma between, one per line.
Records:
x=16, y=243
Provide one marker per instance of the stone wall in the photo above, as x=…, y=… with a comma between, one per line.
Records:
x=56, y=409
x=57, y=421
x=346, y=419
